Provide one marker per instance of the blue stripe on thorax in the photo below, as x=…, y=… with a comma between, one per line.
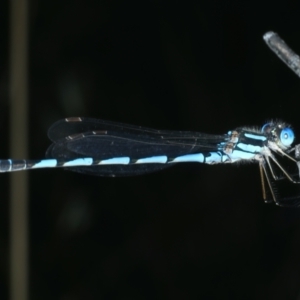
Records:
x=248, y=148
x=250, y=139
x=255, y=136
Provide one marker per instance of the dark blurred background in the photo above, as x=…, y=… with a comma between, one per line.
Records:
x=189, y=232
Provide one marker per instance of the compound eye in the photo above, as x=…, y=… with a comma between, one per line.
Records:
x=266, y=128
x=287, y=136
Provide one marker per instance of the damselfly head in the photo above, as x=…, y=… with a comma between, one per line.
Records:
x=280, y=133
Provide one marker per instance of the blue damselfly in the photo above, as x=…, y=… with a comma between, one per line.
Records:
x=105, y=148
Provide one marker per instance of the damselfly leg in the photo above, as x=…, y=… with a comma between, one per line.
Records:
x=269, y=175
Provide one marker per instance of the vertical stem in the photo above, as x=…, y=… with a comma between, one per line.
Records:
x=18, y=147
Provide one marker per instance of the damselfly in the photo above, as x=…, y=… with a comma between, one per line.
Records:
x=104, y=148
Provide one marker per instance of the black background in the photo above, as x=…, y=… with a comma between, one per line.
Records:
x=192, y=231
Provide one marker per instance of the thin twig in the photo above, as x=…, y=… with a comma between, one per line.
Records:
x=283, y=51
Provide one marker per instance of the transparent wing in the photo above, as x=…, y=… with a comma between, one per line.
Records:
x=100, y=139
